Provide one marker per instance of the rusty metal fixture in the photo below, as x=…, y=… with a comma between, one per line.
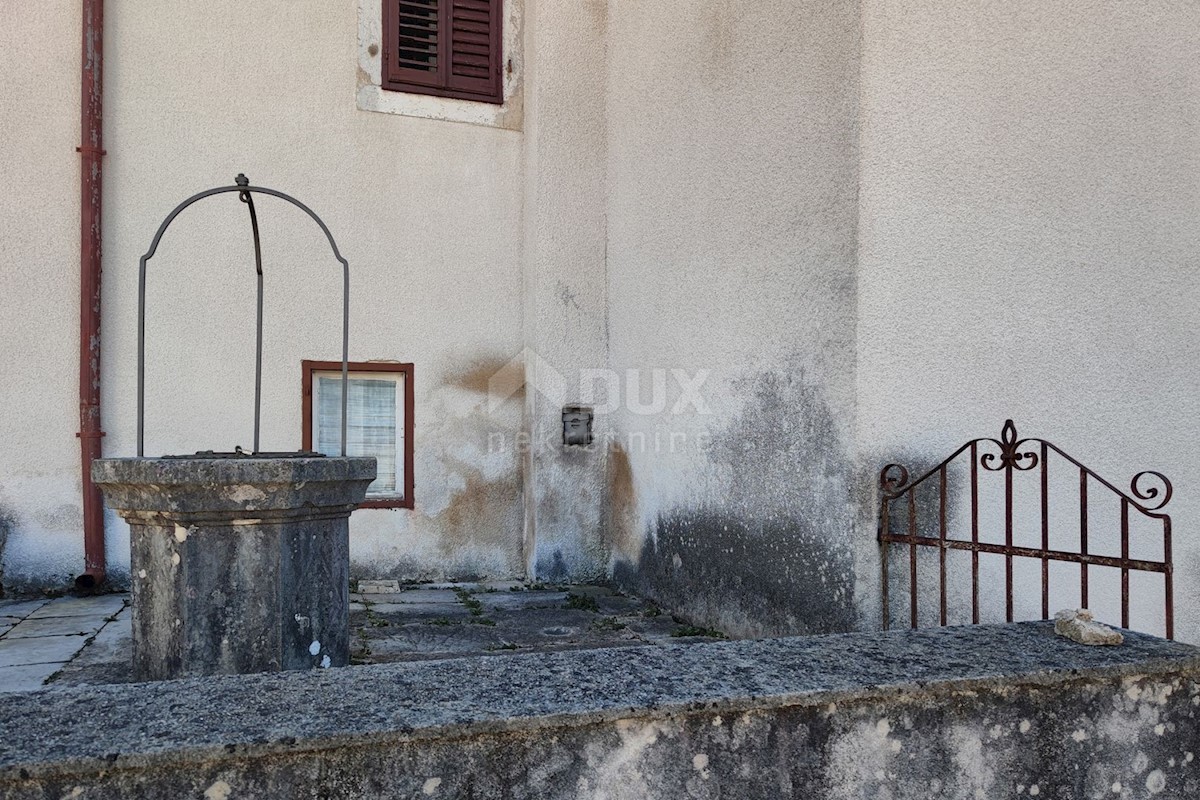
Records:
x=91, y=157
x=245, y=194
x=1149, y=492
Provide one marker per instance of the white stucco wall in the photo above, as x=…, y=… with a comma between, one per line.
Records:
x=731, y=217
x=996, y=219
x=565, y=277
x=39, y=289
x=1028, y=243
x=426, y=211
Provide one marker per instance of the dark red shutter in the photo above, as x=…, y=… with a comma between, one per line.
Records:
x=450, y=48
x=415, y=47
x=475, y=47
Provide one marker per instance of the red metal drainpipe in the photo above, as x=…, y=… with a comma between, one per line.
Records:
x=91, y=151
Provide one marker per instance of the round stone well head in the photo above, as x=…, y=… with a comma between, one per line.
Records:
x=238, y=564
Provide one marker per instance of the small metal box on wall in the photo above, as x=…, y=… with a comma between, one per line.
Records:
x=577, y=426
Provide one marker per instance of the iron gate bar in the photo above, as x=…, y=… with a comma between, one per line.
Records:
x=894, y=484
x=245, y=190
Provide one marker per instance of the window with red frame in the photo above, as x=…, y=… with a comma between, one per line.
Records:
x=447, y=48
x=379, y=422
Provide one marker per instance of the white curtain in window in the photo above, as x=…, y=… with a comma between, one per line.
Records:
x=370, y=425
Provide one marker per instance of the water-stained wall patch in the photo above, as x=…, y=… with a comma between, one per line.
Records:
x=766, y=549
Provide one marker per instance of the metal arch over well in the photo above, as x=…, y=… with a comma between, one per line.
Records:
x=245, y=194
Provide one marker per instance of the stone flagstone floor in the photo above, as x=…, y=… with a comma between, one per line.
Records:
x=86, y=640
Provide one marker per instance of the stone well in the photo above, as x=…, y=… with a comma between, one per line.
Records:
x=238, y=564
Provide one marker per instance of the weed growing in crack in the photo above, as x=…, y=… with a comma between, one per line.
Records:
x=609, y=624
x=473, y=605
x=583, y=602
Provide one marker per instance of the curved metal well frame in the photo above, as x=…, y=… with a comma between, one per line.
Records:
x=1149, y=492
x=245, y=194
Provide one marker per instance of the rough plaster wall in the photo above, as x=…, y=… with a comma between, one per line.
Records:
x=423, y=209
x=565, y=277
x=39, y=292
x=1028, y=246
x=732, y=186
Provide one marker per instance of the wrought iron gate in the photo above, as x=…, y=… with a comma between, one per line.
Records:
x=1009, y=456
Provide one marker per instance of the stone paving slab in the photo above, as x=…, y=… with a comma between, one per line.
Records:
x=20, y=608
x=88, y=640
x=39, y=650
x=56, y=626
x=27, y=677
x=433, y=640
x=414, y=596
x=552, y=623
x=511, y=601
x=503, y=586
x=102, y=605
x=105, y=659
x=591, y=591
x=49, y=635
x=620, y=605
x=377, y=586
x=420, y=610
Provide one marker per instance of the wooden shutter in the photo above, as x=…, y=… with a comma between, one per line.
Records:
x=450, y=48
x=475, y=46
x=413, y=43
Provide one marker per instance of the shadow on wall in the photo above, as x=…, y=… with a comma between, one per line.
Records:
x=768, y=552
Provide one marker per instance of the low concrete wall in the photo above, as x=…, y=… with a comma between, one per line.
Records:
x=982, y=712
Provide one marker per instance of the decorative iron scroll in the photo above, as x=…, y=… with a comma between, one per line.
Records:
x=1149, y=492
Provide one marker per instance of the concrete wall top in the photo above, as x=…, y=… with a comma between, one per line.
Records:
x=961, y=708
x=474, y=695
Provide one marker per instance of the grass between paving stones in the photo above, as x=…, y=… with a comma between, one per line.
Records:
x=363, y=651
x=373, y=618
x=582, y=602
x=540, y=587
x=696, y=630
x=474, y=606
x=360, y=653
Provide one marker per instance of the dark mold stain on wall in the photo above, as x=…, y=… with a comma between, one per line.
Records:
x=769, y=551
x=7, y=523
x=746, y=577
